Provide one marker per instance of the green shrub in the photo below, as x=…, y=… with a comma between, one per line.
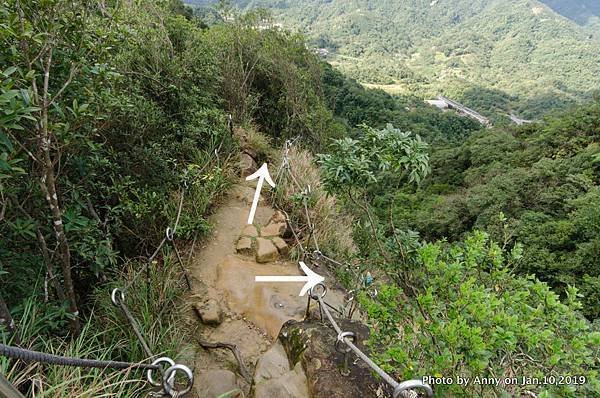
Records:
x=472, y=317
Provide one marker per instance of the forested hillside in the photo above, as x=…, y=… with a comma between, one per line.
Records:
x=535, y=187
x=496, y=56
x=468, y=252
x=354, y=105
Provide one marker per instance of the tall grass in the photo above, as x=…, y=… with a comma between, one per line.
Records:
x=333, y=227
x=106, y=336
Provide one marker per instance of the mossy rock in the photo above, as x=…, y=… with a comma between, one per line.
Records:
x=313, y=344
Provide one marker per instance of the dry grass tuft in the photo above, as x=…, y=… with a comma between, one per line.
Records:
x=254, y=143
x=333, y=228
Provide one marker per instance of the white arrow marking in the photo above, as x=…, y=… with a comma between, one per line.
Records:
x=262, y=174
x=311, y=278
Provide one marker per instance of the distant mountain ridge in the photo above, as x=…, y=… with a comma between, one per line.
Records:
x=581, y=11
x=496, y=56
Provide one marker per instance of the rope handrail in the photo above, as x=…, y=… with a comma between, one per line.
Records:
x=118, y=299
x=118, y=294
x=169, y=237
x=403, y=389
x=167, y=381
x=37, y=356
x=349, y=338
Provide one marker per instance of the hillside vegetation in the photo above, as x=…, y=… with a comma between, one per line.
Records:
x=473, y=307
x=535, y=186
x=496, y=56
x=354, y=105
x=110, y=116
x=113, y=115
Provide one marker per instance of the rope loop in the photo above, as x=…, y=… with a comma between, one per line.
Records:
x=117, y=296
x=313, y=291
x=410, y=385
x=340, y=343
x=306, y=192
x=169, y=380
x=157, y=362
x=170, y=234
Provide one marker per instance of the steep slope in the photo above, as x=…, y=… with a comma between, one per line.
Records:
x=543, y=179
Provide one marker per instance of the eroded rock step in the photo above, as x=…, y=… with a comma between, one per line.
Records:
x=236, y=310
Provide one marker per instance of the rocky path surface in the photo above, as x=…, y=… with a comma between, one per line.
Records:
x=236, y=310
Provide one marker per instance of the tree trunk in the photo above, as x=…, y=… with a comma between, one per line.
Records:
x=55, y=283
x=48, y=186
x=365, y=209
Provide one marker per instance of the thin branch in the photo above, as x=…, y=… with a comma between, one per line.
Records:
x=74, y=69
x=371, y=221
x=236, y=353
x=47, y=79
x=31, y=155
x=48, y=262
x=400, y=247
x=4, y=201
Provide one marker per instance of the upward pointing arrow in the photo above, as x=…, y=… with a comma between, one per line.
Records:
x=262, y=174
x=311, y=278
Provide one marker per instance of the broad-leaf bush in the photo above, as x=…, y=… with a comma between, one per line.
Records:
x=375, y=157
x=472, y=317
x=362, y=170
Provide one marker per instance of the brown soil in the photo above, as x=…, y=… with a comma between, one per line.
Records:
x=253, y=312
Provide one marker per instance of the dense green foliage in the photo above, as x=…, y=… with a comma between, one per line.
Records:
x=473, y=318
x=543, y=179
x=387, y=154
x=472, y=307
x=270, y=77
x=120, y=145
x=530, y=58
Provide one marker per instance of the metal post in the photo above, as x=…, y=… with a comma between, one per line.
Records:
x=346, y=370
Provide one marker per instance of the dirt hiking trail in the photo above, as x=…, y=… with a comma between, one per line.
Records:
x=232, y=306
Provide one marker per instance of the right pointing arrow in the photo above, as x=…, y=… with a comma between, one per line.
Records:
x=311, y=278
